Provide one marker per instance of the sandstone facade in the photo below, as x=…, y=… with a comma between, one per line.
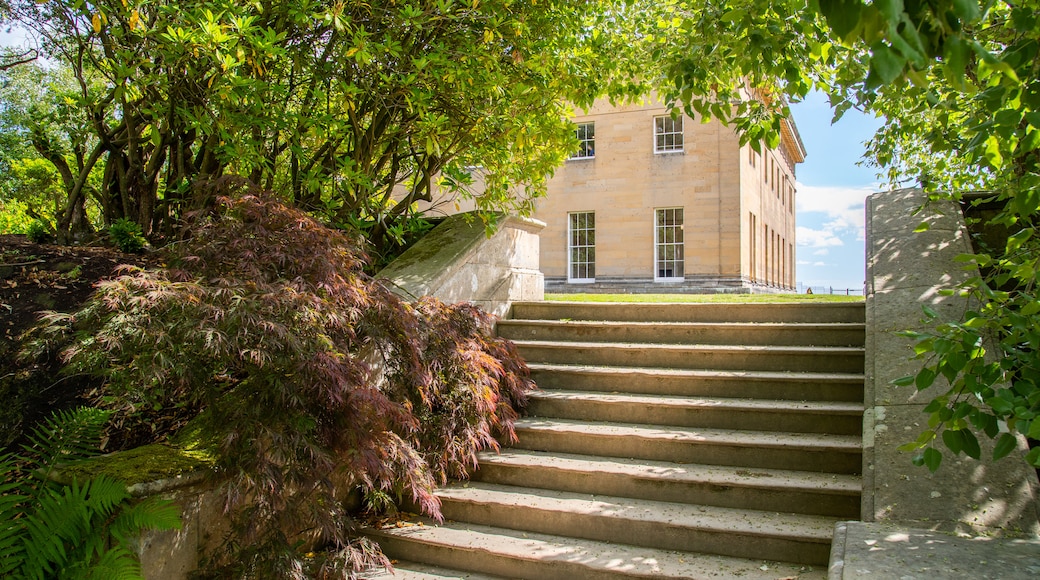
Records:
x=609, y=210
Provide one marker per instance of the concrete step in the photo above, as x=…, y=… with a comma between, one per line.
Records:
x=691, y=312
x=740, y=533
x=715, y=357
x=754, y=449
x=413, y=571
x=716, y=413
x=742, y=333
x=528, y=555
x=825, y=494
x=802, y=386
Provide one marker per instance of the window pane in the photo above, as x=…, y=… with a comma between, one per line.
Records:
x=669, y=243
x=581, y=245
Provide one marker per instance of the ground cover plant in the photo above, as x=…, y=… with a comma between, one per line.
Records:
x=304, y=377
x=75, y=529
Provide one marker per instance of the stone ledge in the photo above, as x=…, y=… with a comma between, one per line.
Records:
x=872, y=550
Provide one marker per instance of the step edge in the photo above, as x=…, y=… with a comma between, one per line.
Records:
x=785, y=525
x=773, y=480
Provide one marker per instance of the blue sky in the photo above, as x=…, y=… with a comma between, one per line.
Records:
x=831, y=189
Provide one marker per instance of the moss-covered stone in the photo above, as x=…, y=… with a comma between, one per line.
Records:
x=141, y=465
x=441, y=246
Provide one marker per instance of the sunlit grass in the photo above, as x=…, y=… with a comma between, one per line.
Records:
x=718, y=298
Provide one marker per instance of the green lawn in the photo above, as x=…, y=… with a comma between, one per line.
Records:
x=726, y=298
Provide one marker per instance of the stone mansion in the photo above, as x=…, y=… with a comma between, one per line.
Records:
x=655, y=204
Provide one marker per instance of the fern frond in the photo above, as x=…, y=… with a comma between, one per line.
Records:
x=65, y=436
x=118, y=563
x=60, y=521
x=12, y=499
x=104, y=494
x=150, y=514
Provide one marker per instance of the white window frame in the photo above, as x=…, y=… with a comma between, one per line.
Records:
x=670, y=131
x=587, y=143
x=579, y=240
x=662, y=242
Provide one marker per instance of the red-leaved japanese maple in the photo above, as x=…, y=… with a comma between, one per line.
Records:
x=305, y=377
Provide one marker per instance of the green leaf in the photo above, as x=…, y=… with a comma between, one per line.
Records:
x=1034, y=430
x=924, y=379
x=1000, y=406
x=887, y=63
x=966, y=10
x=1006, y=444
x=985, y=422
x=1031, y=308
x=955, y=61
x=904, y=381
x=971, y=445
x=1033, y=457
x=908, y=447
x=954, y=440
x=843, y=16
x=932, y=458
x=922, y=227
x=992, y=152
x=1015, y=241
x=892, y=10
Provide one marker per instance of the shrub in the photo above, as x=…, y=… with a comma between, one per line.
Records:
x=304, y=376
x=126, y=234
x=39, y=233
x=79, y=530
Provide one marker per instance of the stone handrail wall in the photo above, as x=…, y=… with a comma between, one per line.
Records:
x=458, y=261
x=910, y=515
x=906, y=270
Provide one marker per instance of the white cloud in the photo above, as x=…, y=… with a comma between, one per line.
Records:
x=808, y=263
x=843, y=205
x=821, y=252
x=824, y=238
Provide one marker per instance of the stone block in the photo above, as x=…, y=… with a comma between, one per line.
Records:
x=964, y=495
x=905, y=272
x=898, y=212
x=922, y=259
x=869, y=550
x=458, y=262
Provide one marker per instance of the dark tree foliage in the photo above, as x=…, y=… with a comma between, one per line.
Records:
x=305, y=377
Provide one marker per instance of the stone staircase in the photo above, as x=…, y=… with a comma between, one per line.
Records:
x=668, y=440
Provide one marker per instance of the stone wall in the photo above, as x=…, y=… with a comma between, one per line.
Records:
x=174, y=554
x=906, y=270
x=458, y=261
x=911, y=517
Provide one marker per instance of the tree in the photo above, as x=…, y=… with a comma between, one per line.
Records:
x=959, y=84
x=353, y=111
x=43, y=146
x=304, y=378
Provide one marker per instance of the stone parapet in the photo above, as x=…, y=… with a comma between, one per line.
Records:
x=905, y=271
x=459, y=262
x=961, y=521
